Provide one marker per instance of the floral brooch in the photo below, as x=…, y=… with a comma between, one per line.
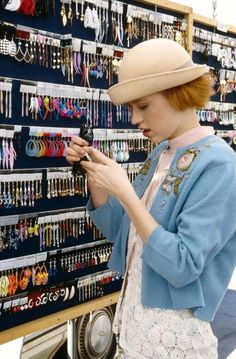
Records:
x=172, y=181
x=186, y=159
x=145, y=168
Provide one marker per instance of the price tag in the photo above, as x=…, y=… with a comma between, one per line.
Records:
x=96, y=95
x=7, y=304
x=222, y=27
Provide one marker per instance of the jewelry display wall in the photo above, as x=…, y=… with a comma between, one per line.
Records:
x=217, y=49
x=55, y=67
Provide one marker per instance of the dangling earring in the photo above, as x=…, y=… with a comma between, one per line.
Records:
x=70, y=14
x=19, y=54
x=63, y=14
x=82, y=11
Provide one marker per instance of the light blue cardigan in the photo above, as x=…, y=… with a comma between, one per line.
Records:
x=189, y=258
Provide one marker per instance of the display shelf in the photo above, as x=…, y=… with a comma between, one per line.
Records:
x=211, y=22
x=57, y=318
x=169, y=5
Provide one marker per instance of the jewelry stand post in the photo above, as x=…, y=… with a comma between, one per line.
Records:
x=71, y=339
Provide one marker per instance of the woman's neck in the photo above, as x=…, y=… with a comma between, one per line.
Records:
x=187, y=121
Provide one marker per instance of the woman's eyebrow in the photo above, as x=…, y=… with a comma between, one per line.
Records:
x=140, y=100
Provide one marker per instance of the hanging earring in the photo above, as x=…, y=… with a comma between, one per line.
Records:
x=82, y=11
x=19, y=54
x=12, y=48
x=76, y=9
x=5, y=46
x=70, y=14
x=27, y=56
x=63, y=14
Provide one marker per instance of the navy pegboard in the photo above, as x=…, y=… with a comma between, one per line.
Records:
x=19, y=72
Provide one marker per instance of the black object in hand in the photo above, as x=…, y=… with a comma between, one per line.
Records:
x=86, y=133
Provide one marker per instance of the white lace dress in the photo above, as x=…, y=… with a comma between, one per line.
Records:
x=152, y=332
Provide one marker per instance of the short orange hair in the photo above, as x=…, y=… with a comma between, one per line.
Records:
x=194, y=94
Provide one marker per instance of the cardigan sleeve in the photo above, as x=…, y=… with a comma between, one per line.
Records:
x=107, y=218
x=207, y=221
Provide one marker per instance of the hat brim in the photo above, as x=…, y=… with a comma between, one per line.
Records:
x=133, y=89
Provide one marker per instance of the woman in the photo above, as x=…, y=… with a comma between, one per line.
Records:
x=174, y=228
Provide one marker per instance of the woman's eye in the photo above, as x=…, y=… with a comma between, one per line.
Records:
x=143, y=107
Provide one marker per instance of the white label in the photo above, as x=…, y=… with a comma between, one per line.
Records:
x=96, y=95
x=89, y=95
x=7, y=304
x=40, y=257
x=222, y=27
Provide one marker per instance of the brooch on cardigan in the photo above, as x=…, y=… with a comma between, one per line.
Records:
x=172, y=181
x=185, y=161
x=145, y=168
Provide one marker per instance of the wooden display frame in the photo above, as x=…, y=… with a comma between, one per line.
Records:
x=212, y=23
x=57, y=318
x=169, y=5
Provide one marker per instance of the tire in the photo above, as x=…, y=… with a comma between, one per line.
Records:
x=94, y=336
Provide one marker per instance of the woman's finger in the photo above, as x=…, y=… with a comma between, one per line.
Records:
x=75, y=151
x=98, y=156
x=79, y=141
x=72, y=159
x=88, y=166
x=77, y=148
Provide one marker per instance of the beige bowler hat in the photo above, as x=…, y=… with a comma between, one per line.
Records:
x=153, y=66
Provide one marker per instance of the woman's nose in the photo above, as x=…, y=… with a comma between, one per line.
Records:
x=136, y=117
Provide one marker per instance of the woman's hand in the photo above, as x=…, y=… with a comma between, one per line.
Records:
x=108, y=176
x=76, y=150
x=105, y=174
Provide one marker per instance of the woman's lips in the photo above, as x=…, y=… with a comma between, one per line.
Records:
x=146, y=132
